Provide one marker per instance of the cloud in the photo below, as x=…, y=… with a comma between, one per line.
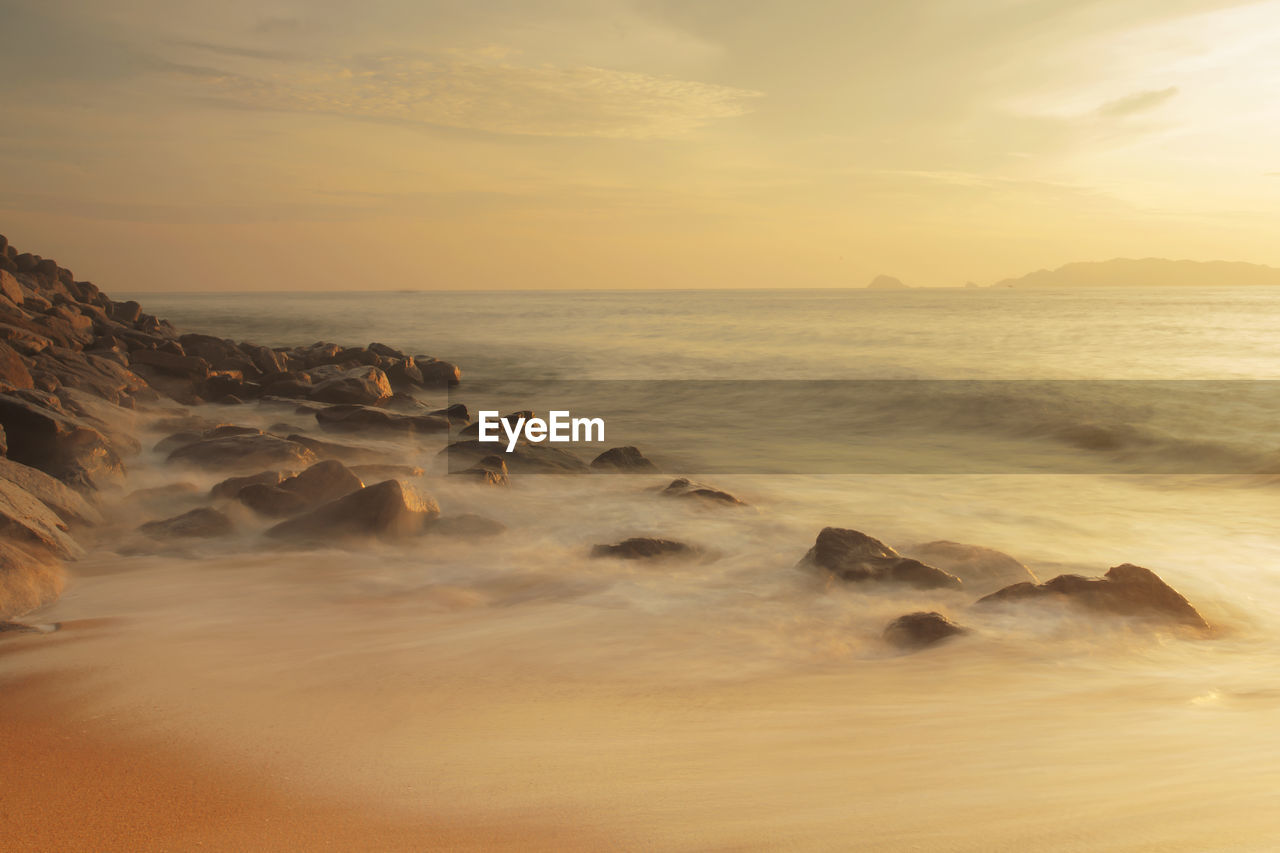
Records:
x=1139, y=102
x=479, y=93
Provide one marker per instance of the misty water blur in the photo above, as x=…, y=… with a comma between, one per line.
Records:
x=731, y=701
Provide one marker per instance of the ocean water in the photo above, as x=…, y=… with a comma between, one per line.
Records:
x=735, y=701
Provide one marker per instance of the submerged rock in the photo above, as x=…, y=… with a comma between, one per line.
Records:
x=981, y=569
x=388, y=509
x=644, y=548
x=1125, y=590
x=623, y=459
x=231, y=487
x=921, y=629
x=525, y=459
x=322, y=482
x=202, y=523
x=242, y=452
x=491, y=470
x=686, y=488
x=852, y=556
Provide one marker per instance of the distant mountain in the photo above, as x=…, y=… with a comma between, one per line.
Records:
x=1148, y=272
x=886, y=282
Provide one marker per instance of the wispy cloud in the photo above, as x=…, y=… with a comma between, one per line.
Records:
x=488, y=95
x=1139, y=102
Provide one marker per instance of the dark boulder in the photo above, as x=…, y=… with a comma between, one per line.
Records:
x=67, y=503
x=921, y=629
x=623, y=459
x=455, y=414
x=42, y=435
x=852, y=556
x=685, y=488
x=361, y=385
x=13, y=370
x=202, y=523
x=471, y=432
x=231, y=487
x=389, y=510
x=183, y=366
x=644, y=548
x=437, y=373
x=272, y=501
x=525, y=459
x=1126, y=590
x=243, y=452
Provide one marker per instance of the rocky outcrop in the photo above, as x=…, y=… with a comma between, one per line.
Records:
x=685, y=488
x=25, y=519
x=243, y=452
x=628, y=459
x=644, y=548
x=387, y=510
x=201, y=523
x=366, y=386
x=921, y=629
x=1125, y=590
x=42, y=434
x=981, y=569
x=357, y=418
x=65, y=502
x=853, y=556
x=321, y=483
x=30, y=578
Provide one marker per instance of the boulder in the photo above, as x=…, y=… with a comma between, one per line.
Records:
x=69, y=506
x=230, y=487
x=23, y=339
x=333, y=450
x=10, y=288
x=182, y=366
x=323, y=482
x=361, y=385
x=623, y=459
x=525, y=459
x=921, y=629
x=404, y=373
x=377, y=473
x=272, y=501
x=352, y=418
x=455, y=414
x=491, y=471
x=852, y=556
x=24, y=518
x=42, y=436
x=644, y=548
x=437, y=373
x=30, y=578
x=981, y=569
x=202, y=523
x=685, y=488
x=13, y=370
x=471, y=432
x=389, y=510
x=243, y=452
x=1125, y=590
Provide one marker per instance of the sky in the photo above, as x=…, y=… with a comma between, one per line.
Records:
x=494, y=144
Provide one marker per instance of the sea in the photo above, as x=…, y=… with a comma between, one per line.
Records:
x=736, y=701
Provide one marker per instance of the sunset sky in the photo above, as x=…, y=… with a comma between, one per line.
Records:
x=391, y=144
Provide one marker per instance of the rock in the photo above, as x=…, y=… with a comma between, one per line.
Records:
x=227, y=430
x=886, y=282
x=623, y=459
x=981, y=569
x=465, y=525
x=333, y=450
x=491, y=471
x=362, y=386
x=30, y=578
x=272, y=501
x=69, y=506
x=125, y=312
x=323, y=482
x=182, y=366
x=471, y=432
x=172, y=442
x=1125, y=590
x=388, y=510
x=243, y=452
x=685, y=488
x=202, y=523
x=851, y=556
x=25, y=518
x=436, y=373
x=10, y=288
x=525, y=459
x=231, y=487
x=13, y=370
x=404, y=373
x=921, y=629
x=24, y=340
x=266, y=360
x=644, y=548
x=455, y=414
x=353, y=418
x=386, y=351
x=57, y=443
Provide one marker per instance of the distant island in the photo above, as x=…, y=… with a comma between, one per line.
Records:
x=886, y=282
x=1147, y=272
